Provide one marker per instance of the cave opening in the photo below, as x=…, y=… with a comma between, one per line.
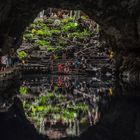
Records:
x=64, y=48
x=59, y=60
x=73, y=78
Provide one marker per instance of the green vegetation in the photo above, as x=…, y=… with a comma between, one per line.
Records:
x=43, y=105
x=41, y=33
x=53, y=35
x=42, y=42
x=80, y=35
x=70, y=26
x=23, y=90
x=21, y=54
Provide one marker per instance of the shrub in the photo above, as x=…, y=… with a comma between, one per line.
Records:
x=23, y=90
x=21, y=54
x=70, y=26
x=42, y=42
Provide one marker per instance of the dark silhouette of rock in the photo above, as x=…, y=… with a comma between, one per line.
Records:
x=15, y=126
x=121, y=122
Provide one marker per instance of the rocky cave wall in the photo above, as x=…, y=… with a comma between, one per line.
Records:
x=119, y=21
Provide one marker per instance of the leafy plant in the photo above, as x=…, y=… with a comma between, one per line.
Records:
x=70, y=26
x=42, y=42
x=50, y=48
x=66, y=20
x=80, y=35
x=40, y=32
x=54, y=31
x=28, y=36
x=23, y=90
x=42, y=100
x=21, y=54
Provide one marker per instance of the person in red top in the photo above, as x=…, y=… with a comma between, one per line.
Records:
x=59, y=68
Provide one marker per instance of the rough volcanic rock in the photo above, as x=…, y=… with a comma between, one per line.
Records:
x=116, y=124
x=15, y=125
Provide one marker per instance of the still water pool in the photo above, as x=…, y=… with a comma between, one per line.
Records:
x=64, y=106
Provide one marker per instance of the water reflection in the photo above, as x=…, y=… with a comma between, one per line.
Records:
x=8, y=89
x=61, y=106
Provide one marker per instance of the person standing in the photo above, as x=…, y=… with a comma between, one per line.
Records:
x=59, y=68
x=9, y=60
x=64, y=55
x=52, y=58
x=0, y=59
x=4, y=60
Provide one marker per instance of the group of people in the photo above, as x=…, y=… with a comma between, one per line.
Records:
x=64, y=67
x=67, y=65
x=8, y=60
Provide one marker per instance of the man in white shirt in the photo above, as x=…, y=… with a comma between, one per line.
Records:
x=4, y=60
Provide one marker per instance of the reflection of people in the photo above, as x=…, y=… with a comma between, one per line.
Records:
x=110, y=92
x=93, y=115
x=59, y=82
x=77, y=84
x=77, y=64
x=97, y=115
x=66, y=81
x=66, y=68
x=83, y=63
